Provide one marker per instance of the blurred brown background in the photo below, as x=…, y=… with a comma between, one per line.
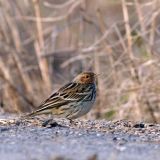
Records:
x=45, y=43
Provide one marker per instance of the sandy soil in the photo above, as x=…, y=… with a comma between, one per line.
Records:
x=82, y=140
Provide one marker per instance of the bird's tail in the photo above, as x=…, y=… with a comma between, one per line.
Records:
x=26, y=116
x=30, y=114
x=36, y=113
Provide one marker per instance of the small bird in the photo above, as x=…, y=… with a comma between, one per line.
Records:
x=73, y=100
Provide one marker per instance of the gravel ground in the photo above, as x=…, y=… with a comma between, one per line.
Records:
x=81, y=140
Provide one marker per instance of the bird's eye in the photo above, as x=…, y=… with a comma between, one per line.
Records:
x=87, y=76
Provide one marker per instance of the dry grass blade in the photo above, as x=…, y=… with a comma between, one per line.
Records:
x=44, y=44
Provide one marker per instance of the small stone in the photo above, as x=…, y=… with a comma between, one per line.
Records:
x=4, y=129
x=139, y=125
x=115, y=138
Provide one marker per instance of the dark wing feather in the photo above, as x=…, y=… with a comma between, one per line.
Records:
x=71, y=92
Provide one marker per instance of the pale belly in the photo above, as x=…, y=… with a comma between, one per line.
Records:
x=83, y=109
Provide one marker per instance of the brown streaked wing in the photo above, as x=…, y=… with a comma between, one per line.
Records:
x=71, y=92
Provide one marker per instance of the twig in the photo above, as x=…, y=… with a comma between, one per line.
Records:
x=39, y=46
x=127, y=27
x=58, y=6
x=51, y=19
x=17, y=90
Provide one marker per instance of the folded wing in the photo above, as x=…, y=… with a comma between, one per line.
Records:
x=71, y=92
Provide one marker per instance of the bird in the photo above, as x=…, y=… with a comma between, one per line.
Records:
x=71, y=101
